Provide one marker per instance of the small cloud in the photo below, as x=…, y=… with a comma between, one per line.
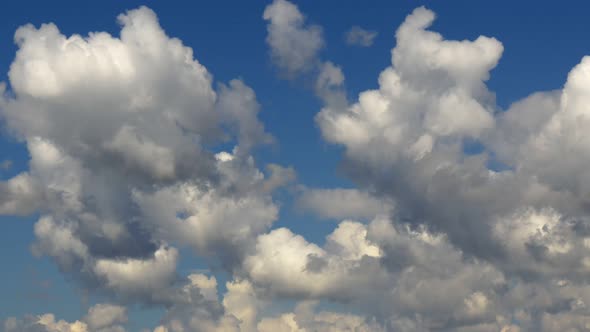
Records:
x=358, y=36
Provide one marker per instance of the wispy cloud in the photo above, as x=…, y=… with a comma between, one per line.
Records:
x=358, y=36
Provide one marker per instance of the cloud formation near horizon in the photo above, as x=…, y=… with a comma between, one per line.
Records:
x=127, y=168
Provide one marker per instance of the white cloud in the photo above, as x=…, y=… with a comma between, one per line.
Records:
x=106, y=317
x=305, y=318
x=220, y=221
x=295, y=49
x=342, y=203
x=100, y=318
x=526, y=223
x=358, y=36
x=136, y=276
x=21, y=195
x=293, y=44
x=122, y=171
x=114, y=123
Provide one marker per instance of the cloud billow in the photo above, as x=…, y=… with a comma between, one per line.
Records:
x=122, y=172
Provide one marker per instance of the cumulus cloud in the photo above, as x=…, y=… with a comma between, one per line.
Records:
x=139, y=275
x=305, y=318
x=406, y=137
x=294, y=45
x=106, y=317
x=401, y=141
x=125, y=136
x=406, y=143
x=116, y=128
x=20, y=195
x=100, y=318
x=342, y=203
x=295, y=49
x=358, y=36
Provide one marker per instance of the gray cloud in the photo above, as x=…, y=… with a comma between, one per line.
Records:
x=100, y=318
x=342, y=203
x=111, y=125
x=293, y=44
x=358, y=36
x=123, y=176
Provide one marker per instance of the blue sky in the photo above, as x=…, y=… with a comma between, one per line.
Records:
x=542, y=41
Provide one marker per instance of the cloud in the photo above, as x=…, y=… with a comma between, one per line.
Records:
x=220, y=221
x=342, y=203
x=306, y=318
x=100, y=318
x=129, y=166
x=524, y=224
x=295, y=49
x=20, y=195
x=358, y=36
x=293, y=44
x=113, y=124
x=103, y=317
x=405, y=138
x=401, y=142
x=139, y=276
x=279, y=177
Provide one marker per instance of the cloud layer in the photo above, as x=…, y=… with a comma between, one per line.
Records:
x=129, y=165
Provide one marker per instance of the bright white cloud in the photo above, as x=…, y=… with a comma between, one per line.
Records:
x=137, y=275
x=106, y=317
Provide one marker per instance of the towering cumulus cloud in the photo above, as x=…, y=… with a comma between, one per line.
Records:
x=118, y=131
x=129, y=166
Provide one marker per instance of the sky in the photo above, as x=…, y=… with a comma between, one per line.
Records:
x=294, y=166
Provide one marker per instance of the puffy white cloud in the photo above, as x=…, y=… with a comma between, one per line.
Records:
x=425, y=97
x=342, y=203
x=21, y=195
x=560, y=133
x=524, y=224
x=100, y=318
x=293, y=44
x=139, y=275
x=103, y=317
x=295, y=49
x=287, y=265
x=238, y=106
x=522, y=119
x=241, y=302
x=124, y=170
x=119, y=128
x=404, y=141
x=241, y=309
x=59, y=241
x=358, y=36
x=304, y=318
x=221, y=221
x=199, y=308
